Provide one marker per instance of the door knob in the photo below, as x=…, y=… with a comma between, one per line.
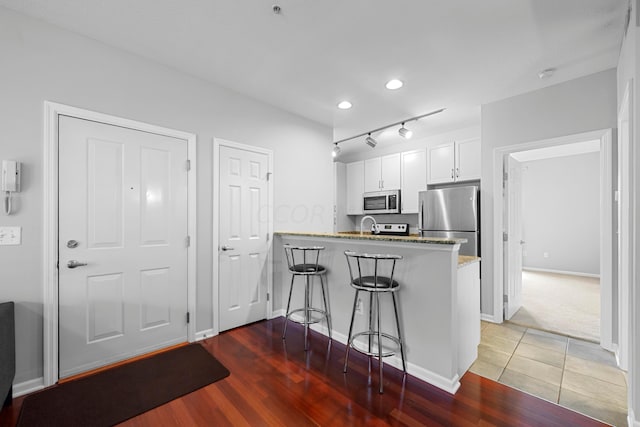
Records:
x=73, y=264
x=226, y=248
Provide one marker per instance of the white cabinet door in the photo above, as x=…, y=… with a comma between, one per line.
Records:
x=355, y=187
x=468, y=159
x=414, y=179
x=373, y=174
x=390, y=172
x=441, y=163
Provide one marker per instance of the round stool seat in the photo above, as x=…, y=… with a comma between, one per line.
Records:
x=307, y=269
x=374, y=284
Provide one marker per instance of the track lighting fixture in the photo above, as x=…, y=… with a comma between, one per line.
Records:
x=336, y=151
x=370, y=141
x=404, y=132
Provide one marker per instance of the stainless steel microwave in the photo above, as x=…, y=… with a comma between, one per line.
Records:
x=381, y=202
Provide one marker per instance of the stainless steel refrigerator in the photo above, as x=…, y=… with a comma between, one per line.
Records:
x=452, y=213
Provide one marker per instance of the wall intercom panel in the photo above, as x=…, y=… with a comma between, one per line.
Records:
x=11, y=176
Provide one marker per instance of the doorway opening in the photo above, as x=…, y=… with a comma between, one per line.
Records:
x=560, y=239
x=532, y=351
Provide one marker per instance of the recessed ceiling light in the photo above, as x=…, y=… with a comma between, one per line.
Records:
x=394, y=84
x=344, y=105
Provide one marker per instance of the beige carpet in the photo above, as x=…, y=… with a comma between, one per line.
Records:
x=560, y=303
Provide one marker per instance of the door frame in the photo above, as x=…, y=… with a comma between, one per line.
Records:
x=606, y=223
x=217, y=143
x=52, y=111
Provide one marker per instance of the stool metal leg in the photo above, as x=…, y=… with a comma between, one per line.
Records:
x=353, y=315
x=395, y=309
x=379, y=340
x=306, y=313
x=286, y=316
x=326, y=306
x=370, y=321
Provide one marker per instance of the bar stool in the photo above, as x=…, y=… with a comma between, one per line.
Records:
x=308, y=268
x=373, y=273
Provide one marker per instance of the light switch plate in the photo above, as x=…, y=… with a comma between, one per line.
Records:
x=10, y=235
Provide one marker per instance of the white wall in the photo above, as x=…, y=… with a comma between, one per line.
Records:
x=561, y=213
x=628, y=72
x=576, y=106
x=42, y=62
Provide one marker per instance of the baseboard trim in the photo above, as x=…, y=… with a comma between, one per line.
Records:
x=569, y=273
x=208, y=333
x=26, y=387
x=489, y=318
x=277, y=313
x=631, y=419
x=450, y=385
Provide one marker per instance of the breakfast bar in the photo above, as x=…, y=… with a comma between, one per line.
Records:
x=439, y=299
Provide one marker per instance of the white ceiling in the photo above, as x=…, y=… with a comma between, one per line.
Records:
x=454, y=54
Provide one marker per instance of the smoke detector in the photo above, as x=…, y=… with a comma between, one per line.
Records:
x=545, y=74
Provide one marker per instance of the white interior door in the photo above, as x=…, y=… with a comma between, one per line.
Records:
x=244, y=239
x=514, y=242
x=123, y=213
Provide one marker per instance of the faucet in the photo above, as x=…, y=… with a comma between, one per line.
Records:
x=375, y=224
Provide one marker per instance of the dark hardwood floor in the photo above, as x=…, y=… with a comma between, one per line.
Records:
x=275, y=382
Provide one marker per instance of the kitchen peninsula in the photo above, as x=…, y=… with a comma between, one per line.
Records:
x=439, y=299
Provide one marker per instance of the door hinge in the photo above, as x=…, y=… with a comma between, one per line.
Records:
x=188, y=166
x=187, y=241
x=269, y=175
x=505, y=298
x=505, y=176
x=505, y=236
x=188, y=317
x=268, y=296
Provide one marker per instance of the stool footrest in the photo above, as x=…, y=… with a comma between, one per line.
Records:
x=374, y=345
x=323, y=315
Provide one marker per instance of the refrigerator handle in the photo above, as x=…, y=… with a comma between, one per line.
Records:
x=420, y=213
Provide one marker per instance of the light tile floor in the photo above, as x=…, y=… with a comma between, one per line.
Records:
x=572, y=373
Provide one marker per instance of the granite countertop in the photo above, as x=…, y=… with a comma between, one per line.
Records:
x=412, y=238
x=355, y=235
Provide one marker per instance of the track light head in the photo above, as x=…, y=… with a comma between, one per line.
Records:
x=370, y=141
x=336, y=151
x=405, y=133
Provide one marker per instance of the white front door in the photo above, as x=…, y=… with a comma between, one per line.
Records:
x=244, y=239
x=513, y=245
x=123, y=213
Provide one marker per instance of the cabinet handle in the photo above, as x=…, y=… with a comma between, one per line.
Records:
x=451, y=173
x=457, y=172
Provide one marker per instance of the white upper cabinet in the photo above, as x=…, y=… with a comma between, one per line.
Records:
x=391, y=172
x=382, y=173
x=355, y=187
x=441, y=159
x=372, y=174
x=468, y=159
x=455, y=161
x=414, y=178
